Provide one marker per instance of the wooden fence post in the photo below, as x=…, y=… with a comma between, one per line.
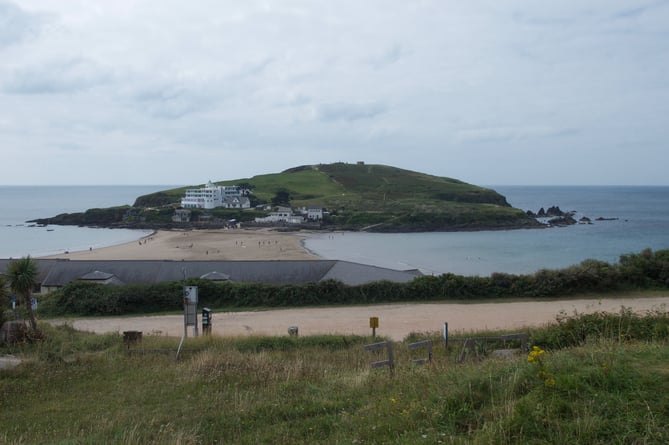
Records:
x=422, y=344
x=390, y=362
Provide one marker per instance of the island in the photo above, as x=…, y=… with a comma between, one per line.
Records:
x=338, y=196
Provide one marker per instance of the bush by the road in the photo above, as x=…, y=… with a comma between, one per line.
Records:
x=645, y=270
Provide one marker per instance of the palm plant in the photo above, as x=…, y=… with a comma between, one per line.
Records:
x=22, y=277
x=4, y=297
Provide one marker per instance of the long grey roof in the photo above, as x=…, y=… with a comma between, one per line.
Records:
x=56, y=273
x=44, y=266
x=356, y=273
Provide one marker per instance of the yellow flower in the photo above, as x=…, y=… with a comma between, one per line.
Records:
x=535, y=354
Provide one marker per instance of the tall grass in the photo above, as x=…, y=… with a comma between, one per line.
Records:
x=82, y=389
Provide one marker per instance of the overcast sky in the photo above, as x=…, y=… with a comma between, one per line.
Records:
x=181, y=92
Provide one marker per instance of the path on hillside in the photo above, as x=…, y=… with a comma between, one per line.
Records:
x=395, y=320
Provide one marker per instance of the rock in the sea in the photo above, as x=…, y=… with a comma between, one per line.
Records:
x=566, y=220
x=543, y=213
x=554, y=211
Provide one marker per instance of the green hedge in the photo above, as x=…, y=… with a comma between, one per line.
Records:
x=645, y=270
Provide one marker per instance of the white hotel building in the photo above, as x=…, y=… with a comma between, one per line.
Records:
x=213, y=196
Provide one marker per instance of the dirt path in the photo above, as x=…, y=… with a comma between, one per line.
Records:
x=395, y=320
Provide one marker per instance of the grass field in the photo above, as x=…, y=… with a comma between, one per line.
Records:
x=79, y=388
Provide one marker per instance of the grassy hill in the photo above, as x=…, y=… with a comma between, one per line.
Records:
x=326, y=183
x=387, y=198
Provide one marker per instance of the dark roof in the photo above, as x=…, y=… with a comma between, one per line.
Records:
x=42, y=270
x=56, y=273
x=102, y=278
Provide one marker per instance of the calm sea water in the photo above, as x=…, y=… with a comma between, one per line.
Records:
x=20, y=204
x=643, y=214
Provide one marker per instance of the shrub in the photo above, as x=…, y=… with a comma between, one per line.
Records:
x=577, y=329
x=647, y=270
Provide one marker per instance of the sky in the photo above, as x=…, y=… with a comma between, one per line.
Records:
x=512, y=92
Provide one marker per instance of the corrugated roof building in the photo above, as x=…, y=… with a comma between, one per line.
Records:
x=54, y=274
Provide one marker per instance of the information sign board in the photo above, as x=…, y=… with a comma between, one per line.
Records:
x=190, y=294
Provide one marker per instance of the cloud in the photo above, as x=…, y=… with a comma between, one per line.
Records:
x=511, y=133
x=56, y=77
x=638, y=9
x=16, y=24
x=389, y=57
x=173, y=100
x=543, y=20
x=255, y=68
x=271, y=85
x=349, y=112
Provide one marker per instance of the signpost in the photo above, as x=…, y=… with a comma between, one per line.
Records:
x=190, y=309
x=190, y=313
x=373, y=323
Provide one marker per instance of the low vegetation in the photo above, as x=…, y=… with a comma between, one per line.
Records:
x=609, y=386
x=644, y=270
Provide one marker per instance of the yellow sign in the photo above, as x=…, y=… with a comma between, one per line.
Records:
x=373, y=322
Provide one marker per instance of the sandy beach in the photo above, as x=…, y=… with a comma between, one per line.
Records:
x=396, y=320
x=224, y=244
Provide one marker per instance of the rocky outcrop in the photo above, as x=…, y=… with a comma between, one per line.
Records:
x=552, y=212
x=554, y=216
x=560, y=221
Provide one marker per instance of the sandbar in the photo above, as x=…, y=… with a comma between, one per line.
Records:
x=212, y=245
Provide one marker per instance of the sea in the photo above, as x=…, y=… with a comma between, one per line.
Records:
x=635, y=218
x=20, y=204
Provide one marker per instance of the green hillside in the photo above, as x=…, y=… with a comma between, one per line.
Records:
x=357, y=182
x=383, y=197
